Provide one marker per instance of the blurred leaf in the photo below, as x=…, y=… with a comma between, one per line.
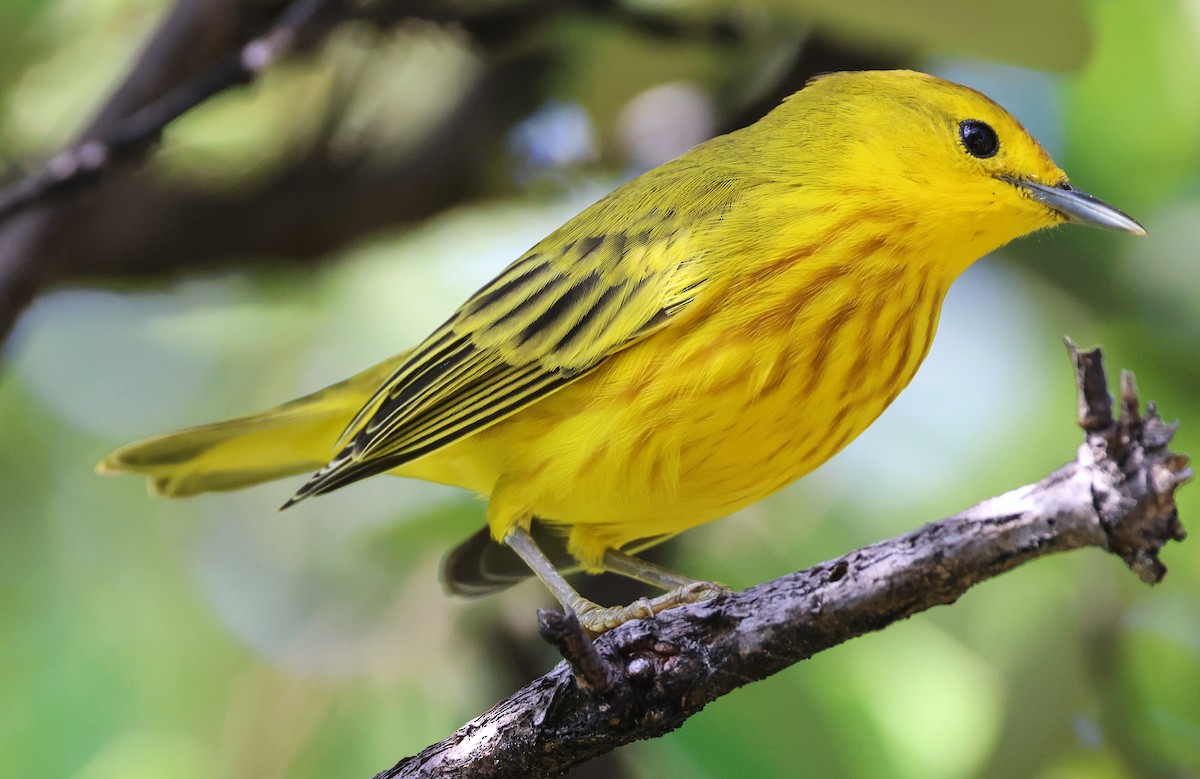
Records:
x=1135, y=107
x=372, y=94
x=1162, y=673
x=87, y=46
x=1046, y=34
x=149, y=755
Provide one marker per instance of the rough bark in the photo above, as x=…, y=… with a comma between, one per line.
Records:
x=646, y=677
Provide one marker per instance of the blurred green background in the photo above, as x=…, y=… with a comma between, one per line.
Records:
x=216, y=638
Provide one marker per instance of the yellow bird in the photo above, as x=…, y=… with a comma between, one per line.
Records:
x=696, y=340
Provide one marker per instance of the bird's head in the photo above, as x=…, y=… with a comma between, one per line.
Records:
x=940, y=157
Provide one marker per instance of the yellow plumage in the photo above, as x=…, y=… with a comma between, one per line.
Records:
x=296, y=437
x=691, y=343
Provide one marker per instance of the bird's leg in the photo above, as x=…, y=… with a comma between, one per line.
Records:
x=593, y=617
x=681, y=590
x=631, y=567
x=596, y=618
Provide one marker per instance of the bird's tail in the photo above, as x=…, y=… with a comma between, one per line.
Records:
x=296, y=437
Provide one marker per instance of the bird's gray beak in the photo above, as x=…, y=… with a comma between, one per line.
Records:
x=1080, y=207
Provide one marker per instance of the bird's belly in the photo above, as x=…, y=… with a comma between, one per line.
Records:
x=661, y=467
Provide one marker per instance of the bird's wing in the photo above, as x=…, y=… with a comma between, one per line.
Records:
x=549, y=318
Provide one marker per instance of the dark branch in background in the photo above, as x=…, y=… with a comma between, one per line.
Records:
x=308, y=210
x=131, y=136
x=496, y=25
x=44, y=242
x=645, y=678
x=89, y=217
x=83, y=162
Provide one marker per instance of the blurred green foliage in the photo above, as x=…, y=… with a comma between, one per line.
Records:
x=216, y=638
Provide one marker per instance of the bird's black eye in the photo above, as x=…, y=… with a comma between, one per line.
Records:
x=978, y=138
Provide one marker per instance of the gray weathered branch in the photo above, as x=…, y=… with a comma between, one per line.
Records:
x=645, y=678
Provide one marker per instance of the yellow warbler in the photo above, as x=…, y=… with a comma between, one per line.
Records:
x=691, y=343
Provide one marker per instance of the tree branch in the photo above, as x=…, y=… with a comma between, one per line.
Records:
x=645, y=678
